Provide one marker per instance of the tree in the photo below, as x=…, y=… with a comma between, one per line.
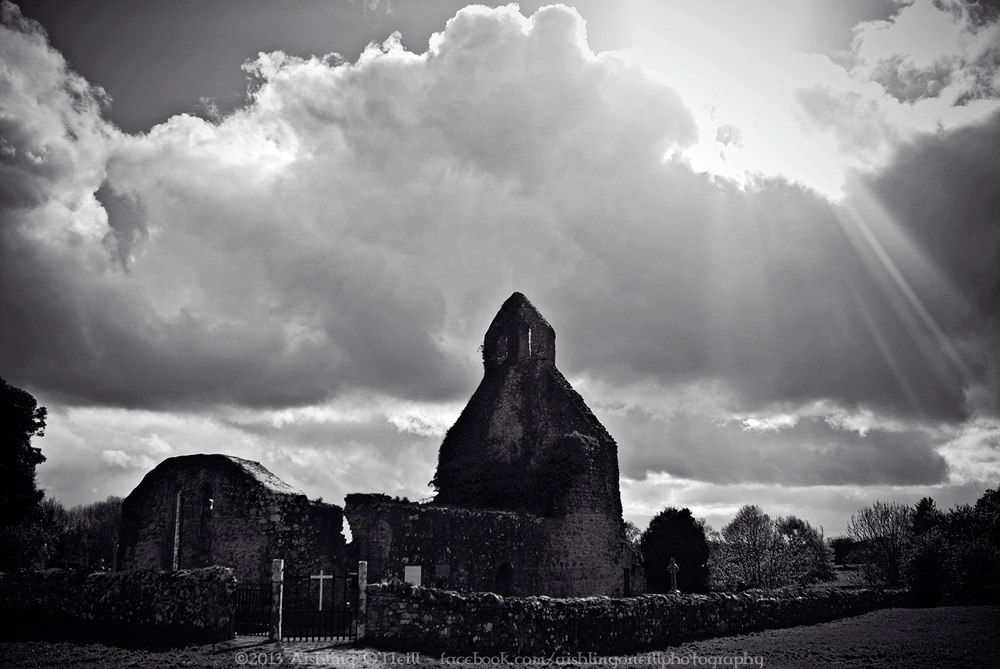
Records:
x=842, y=547
x=972, y=534
x=20, y=419
x=758, y=552
x=674, y=533
x=742, y=557
x=925, y=516
x=633, y=535
x=884, y=532
x=90, y=533
x=925, y=567
x=801, y=553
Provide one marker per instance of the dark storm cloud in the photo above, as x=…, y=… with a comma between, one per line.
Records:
x=127, y=220
x=942, y=189
x=773, y=296
x=811, y=452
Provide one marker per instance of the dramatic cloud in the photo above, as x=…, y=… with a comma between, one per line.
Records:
x=312, y=273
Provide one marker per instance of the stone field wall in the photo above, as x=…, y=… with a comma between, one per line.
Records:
x=182, y=607
x=437, y=621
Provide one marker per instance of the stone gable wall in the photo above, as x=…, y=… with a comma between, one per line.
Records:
x=182, y=606
x=245, y=526
x=435, y=621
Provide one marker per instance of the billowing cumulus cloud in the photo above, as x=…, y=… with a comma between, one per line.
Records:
x=351, y=231
x=931, y=49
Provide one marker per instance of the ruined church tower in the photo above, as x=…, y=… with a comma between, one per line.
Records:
x=526, y=440
x=527, y=486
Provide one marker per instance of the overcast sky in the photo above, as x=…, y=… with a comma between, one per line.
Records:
x=767, y=234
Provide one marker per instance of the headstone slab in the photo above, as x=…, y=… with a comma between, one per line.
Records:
x=412, y=574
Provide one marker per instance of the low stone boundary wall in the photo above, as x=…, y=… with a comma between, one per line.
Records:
x=171, y=607
x=403, y=617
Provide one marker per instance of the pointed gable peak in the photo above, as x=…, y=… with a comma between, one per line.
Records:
x=518, y=333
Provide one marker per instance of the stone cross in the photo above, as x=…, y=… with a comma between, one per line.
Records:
x=673, y=569
x=321, y=577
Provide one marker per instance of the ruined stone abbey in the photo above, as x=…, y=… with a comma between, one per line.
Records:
x=527, y=497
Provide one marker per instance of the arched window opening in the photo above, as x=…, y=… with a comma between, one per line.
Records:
x=504, y=580
x=207, y=504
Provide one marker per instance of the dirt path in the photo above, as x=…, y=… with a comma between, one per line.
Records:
x=945, y=637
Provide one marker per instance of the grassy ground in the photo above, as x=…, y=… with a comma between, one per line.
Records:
x=965, y=637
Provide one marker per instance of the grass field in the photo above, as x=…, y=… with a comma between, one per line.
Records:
x=966, y=637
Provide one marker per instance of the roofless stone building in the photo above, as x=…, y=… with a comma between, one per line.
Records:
x=201, y=510
x=527, y=485
x=527, y=497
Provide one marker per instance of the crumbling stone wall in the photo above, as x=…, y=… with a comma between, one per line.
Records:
x=182, y=606
x=457, y=549
x=434, y=621
x=483, y=550
x=199, y=510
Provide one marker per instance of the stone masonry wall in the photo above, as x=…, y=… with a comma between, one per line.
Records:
x=585, y=555
x=458, y=549
x=466, y=549
x=182, y=606
x=435, y=621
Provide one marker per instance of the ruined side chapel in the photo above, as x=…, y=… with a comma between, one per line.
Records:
x=199, y=510
x=527, y=486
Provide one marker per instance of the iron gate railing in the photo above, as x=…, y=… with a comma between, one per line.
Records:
x=253, y=609
x=320, y=606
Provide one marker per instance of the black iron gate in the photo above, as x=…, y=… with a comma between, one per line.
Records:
x=253, y=609
x=320, y=606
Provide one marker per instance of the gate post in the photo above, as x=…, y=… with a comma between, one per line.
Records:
x=277, y=597
x=362, y=599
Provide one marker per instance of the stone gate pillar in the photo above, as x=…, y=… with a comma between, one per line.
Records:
x=362, y=598
x=277, y=597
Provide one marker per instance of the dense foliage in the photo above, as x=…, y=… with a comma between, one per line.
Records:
x=20, y=419
x=84, y=537
x=935, y=554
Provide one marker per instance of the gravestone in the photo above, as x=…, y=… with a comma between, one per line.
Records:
x=411, y=574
